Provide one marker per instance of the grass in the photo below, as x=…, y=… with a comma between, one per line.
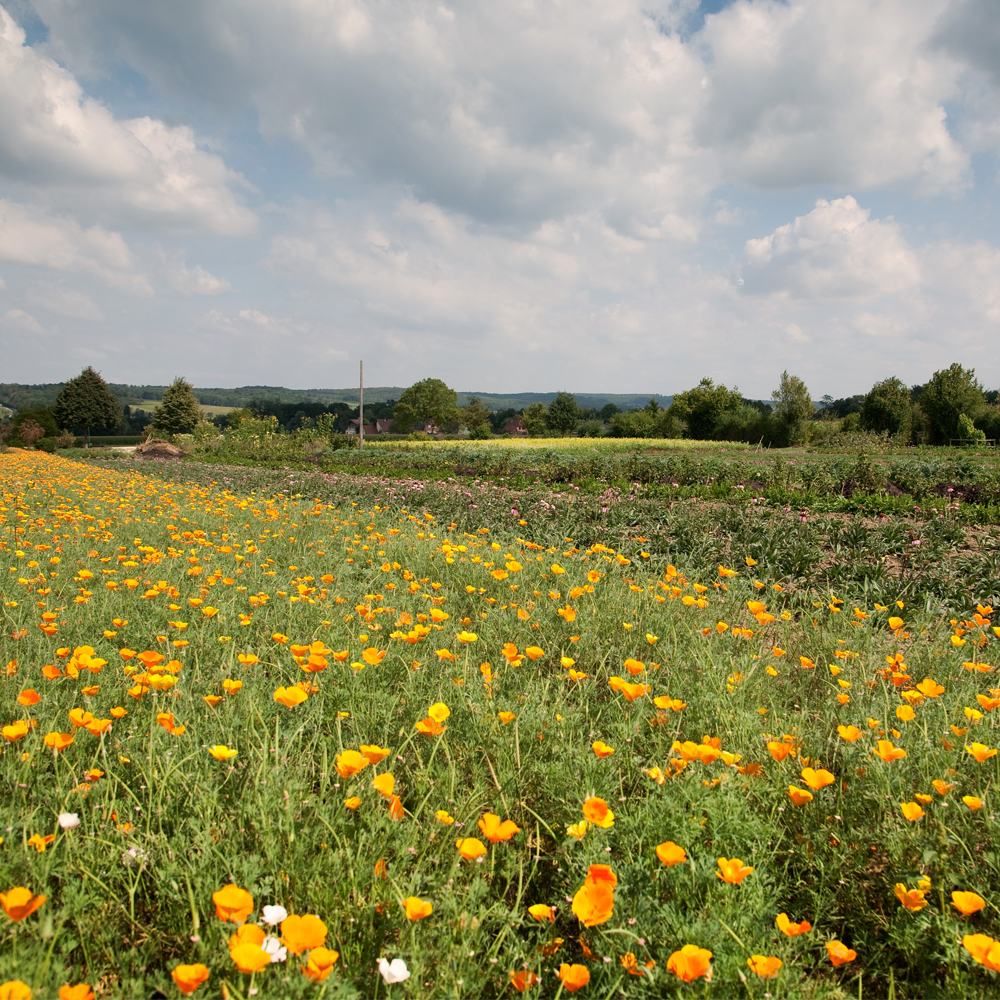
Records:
x=213, y=567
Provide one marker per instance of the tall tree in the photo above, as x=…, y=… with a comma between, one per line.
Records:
x=476, y=414
x=793, y=406
x=86, y=401
x=179, y=412
x=564, y=413
x=702, y=407
x=887, y=407
x=427, y=401
x=950, y=393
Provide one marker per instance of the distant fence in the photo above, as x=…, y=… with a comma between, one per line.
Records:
x=990, y=441
x=99, y=442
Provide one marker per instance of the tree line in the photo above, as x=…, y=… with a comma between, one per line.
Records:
x=952, y=405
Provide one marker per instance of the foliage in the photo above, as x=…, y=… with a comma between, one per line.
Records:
x=887, y=408
x=536, y=419
x=951, y=392
x=792, y=407
x=429, y=401
x=40, y=415
x=179, y=413
x=29, y=433
x=702, y=408
x=475, y=415
x=967, y=430
x=163, y=825
x=592, y=428
x=563, y=414
x=86, y=401
x=632, y=424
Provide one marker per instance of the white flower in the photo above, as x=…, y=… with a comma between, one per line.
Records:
x=69, y=821
x=273, y=947
x=394, y=971
x=273, y=914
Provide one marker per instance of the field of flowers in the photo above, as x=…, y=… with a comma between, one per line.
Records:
x=357, y=737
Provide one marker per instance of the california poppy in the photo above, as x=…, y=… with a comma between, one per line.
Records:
x=495, y=831
x=189, y=977
x=19, y=903
x=732, y=870
x=81, y=991
x=671, y=854
x=839, y=953
x=542, y=912
x=690, y=963
x=349, y=763
x=967, y=903
x=574, y=977
x=523, y=979
x=232, y=903
x=299, y=934
x=320, y=964
x=596, y=811
x=250, y=958
x=765, y=967
x=416, y=908
x=470, y=848
x=979, y=751
x=817, y=779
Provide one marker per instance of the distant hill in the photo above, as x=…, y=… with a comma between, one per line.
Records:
x=19, y=396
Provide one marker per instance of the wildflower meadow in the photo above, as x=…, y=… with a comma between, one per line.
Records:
x=345, y=737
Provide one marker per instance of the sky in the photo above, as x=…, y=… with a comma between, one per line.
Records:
x=523, y=196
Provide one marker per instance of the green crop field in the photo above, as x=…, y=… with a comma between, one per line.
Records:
x=473, y=720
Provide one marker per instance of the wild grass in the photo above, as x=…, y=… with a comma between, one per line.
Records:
x=251, y=562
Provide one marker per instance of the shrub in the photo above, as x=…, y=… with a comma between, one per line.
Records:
x=179, y=413
x=950, y=393
x=46, y=444
x=967, y=431
x=590, y=428
x=887, y=407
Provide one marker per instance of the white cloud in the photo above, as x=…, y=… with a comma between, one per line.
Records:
x=61, y=301
x=195, y=280
x=33, y=239
x=17, y=320
x=835, y=252
x=62, y=144
x=846, y=94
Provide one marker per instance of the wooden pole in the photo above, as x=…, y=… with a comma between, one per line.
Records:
x=361, y=410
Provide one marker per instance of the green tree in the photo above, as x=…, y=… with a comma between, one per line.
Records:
x=429, y=401
x=793, y=406
x=887, y=408
x=86, y=401
x=607, y=411
x=564, y=414
x=41, y=415
x=950, y=393
x=632, y=424
x=536, y=419
x=179, y=412
x=476, y=416
x=702, y=407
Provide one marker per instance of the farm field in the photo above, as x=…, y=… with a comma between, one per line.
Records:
x=267, y=730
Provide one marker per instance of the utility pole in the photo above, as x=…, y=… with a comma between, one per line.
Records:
x=361, y=410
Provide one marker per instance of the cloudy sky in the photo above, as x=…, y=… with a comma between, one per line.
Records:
x=593, y=195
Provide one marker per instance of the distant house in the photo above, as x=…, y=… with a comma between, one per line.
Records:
x=381, y=426
x=515, y=427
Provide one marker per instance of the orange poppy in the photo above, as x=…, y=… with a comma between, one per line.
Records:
x=690, y=963
x=19, y=903
x=494, y=830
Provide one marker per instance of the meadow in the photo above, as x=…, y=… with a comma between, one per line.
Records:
x=376, y=730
